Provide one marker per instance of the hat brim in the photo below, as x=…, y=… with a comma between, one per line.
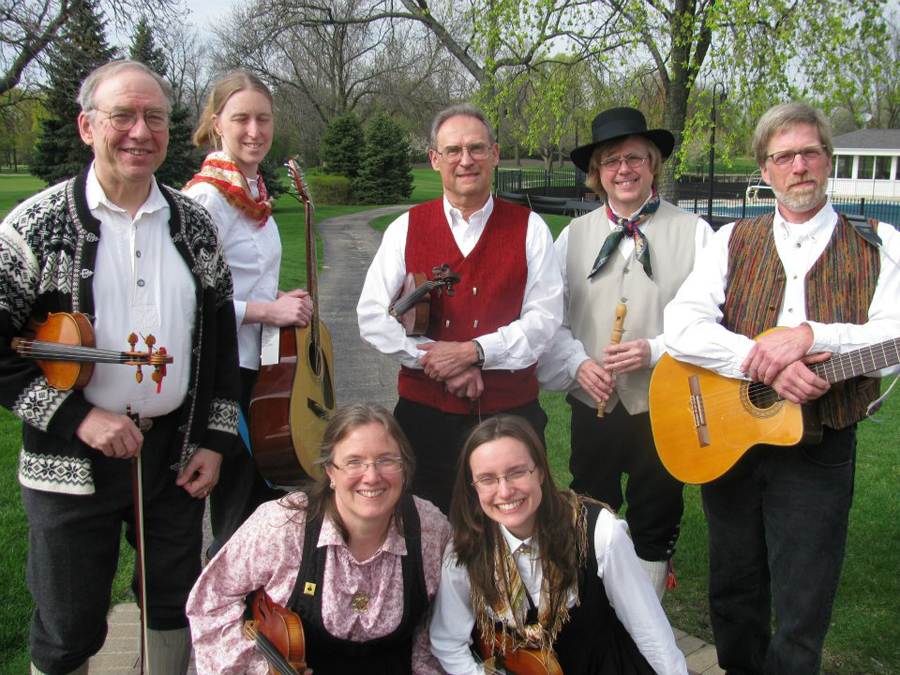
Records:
x=662, y=139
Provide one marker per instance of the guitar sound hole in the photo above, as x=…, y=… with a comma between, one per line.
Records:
x=762, y=401
x=315, y=361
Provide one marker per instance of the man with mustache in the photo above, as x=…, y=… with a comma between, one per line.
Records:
x=478, y=355
x=778, y=519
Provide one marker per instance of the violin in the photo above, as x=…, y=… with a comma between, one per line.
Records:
x=278, y=634
x=501, y=658
x=413, y=307
x=63, y=346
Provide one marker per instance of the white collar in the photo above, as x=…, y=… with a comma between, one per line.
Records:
x=96, y=197
x=820, y=225
x=452, y=213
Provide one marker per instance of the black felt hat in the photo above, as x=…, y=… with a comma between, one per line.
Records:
x=619, y=123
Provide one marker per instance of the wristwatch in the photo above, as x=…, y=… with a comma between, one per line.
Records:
x=479, y=352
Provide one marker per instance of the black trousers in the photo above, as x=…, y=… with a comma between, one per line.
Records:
x=619, y=443
x=74, y=550
x=437, y=438
x=241, y=488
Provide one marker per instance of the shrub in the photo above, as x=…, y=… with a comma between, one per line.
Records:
x=330, y=189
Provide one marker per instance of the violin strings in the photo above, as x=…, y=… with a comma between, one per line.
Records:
x=271, y=653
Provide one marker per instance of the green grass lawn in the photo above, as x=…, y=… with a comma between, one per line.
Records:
x=863, y=635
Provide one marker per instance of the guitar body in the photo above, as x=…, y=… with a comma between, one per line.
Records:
x=294, y=399
x=703, y=423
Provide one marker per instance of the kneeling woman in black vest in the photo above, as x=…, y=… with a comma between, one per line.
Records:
x=356, y=557
x=545, y=569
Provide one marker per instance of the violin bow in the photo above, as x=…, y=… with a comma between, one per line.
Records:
x=137, y=491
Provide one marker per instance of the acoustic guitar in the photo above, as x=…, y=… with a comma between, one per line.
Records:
x=703, y=423
x=294, y=398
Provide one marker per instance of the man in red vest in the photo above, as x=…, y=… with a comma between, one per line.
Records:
x=478, y=355
x=778, y=518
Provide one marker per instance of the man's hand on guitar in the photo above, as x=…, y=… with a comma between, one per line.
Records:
x=627, y=356
x=112, y=434
x=775, y=351
x=468, y=384
x=798, y=384
x=595, y=380
x=445, y=360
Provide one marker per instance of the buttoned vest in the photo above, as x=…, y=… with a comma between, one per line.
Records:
x=488, y=296
x=839, y=289
x=671, y=234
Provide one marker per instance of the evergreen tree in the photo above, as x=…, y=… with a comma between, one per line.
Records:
x=180, y=163
x=60, y=152
x=385, y=175
x=342, y=145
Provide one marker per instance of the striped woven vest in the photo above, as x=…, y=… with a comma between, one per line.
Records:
x=839, y=289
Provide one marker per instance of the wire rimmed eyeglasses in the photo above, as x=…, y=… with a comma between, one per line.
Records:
x=631, y=161
x=452, y=154
x=810, y=154
x=124, y=120
x=383, y=465
x=491, y=483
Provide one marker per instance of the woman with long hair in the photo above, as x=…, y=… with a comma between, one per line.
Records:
x=370, y=552
x=544, y=569
x=238, y=124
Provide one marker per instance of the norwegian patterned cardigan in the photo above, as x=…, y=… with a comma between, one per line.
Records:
x=48, y=248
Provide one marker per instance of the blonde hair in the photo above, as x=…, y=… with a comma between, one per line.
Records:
x=224, y=88
x=592, y=180
x=787, y=116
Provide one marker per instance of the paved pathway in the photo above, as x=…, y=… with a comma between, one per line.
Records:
x=361, y=375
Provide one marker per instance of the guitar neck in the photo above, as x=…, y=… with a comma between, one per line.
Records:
x=859, y=362
x=312, y=270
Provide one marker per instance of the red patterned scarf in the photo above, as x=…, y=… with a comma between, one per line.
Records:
x=219, y=170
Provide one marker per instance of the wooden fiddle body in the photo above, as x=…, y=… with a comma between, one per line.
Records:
x=294, y=398
x=63, y=347
x=500, y=657
x=278, y=634
x=413, y=307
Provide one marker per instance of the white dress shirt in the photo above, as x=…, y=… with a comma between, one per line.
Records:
x=141, y=285
x=254, y=257
x=514, y=346
x=626, y=583
x=560, y=363
x=693, y=330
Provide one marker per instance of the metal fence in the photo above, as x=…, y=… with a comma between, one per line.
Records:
x=730, y=199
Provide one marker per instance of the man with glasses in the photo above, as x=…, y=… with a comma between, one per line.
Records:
x=640, y=248
x=133, y=256
x=478, y=355
x=778, y=519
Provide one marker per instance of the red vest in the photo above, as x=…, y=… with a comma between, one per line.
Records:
x=488, y=296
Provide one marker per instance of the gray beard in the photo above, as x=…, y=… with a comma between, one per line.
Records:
x=800, y=201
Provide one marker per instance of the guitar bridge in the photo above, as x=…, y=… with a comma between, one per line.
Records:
x=698, y=411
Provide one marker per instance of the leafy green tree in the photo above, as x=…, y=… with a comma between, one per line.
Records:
x=180, y=163
x=385, y=175
x=342, y=145
x=60, y=153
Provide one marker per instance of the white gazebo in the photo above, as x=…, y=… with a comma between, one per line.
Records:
x=867, y=165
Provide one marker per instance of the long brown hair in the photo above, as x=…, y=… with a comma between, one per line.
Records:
x=223, y=89
x=476, y=536
x=320, y=495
